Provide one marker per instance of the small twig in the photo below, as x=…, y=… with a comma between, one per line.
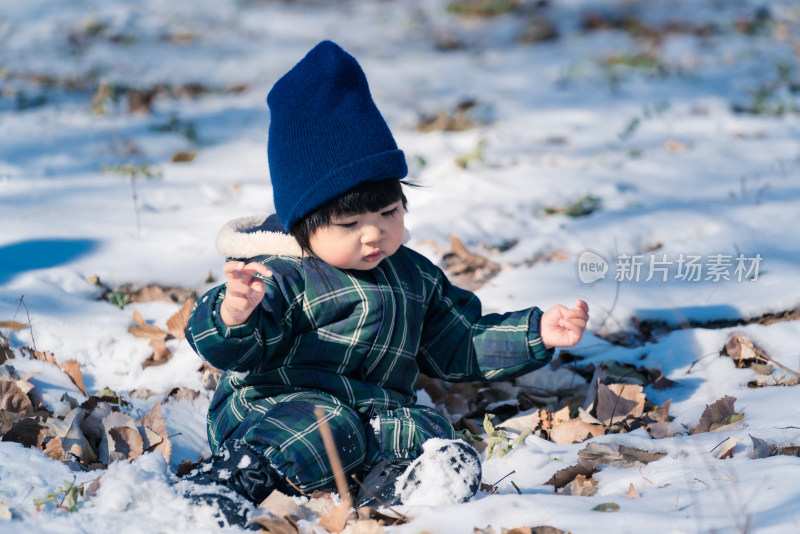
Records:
x=515, y=487
x=368, y=492
x=135, y=201
x=720, y=443
x=770, y=360
x=292, y=484
x=502, y=479
x=644, y=477
x=333, y=457
x=28, y=315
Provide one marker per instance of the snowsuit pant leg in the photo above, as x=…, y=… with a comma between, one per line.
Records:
x=400, y=433
x=285, y=428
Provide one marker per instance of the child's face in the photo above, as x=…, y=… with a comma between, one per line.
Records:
x=360, y=241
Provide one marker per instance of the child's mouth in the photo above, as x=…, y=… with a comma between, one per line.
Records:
x=373, y=257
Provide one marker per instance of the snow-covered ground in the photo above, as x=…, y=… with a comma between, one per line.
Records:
x=676, y=122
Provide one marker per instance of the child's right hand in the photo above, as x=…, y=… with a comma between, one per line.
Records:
x=244, y=291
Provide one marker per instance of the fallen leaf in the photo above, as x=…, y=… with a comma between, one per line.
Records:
x=73, y=370
x=632, y=493
x=54, y=450
x=155, y=421
x=606, y=507
x=13, y=398
x=128, y=443
x=575, y=431
x=176, y=325
x=335, y=520
x=281, y=505
x=368, y=526
x=73, y=440
x=29, y=432
x=161, y=353
x=43, y=356
x=618, y=401
x=579, y=486
x=107, y=452
x=522, y=422
x=715, y=413
x=142, y=329
x=12, y=325
x=274, y=525
x=762, y=448
x=617, y=455
x=674, y=146
x=564, y=476
x=320, y=503
x=726, y=451
x=183, y=157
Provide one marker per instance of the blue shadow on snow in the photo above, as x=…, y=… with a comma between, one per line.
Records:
x=16, y=258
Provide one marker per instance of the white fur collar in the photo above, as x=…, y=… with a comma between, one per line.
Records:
x=248, y=237
x=258, y=235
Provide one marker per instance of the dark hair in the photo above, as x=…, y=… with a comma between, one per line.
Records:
x=368, y=196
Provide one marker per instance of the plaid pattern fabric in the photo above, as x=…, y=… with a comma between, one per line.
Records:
x=286, y=429
x=361, y=337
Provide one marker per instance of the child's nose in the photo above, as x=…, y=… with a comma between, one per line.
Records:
x=371, y=233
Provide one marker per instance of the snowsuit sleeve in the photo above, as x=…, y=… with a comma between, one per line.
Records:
x=246, y=347
x=459, y=343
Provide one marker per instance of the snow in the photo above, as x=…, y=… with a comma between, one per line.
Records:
x=679, y=172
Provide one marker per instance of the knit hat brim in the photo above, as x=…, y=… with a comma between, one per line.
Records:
x=382, y=166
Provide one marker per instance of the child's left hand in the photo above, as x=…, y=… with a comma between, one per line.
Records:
x=562, y=327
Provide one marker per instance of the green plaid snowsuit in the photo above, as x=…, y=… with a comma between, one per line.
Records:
x=353, y=343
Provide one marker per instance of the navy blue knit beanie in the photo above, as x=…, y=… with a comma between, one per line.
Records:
x=325, y=134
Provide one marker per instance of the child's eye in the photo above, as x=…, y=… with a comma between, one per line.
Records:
x=391, y=213
x=346, y=225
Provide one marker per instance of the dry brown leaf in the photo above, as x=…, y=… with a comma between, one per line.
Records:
x=320, y=503
x=13, y=398
x=743, y=350
x=183, y=157
x=54, y=450
x=575, y=431
x=618, y=401
x=43, y=356
x=274, y=525
x=725, y=449
x=335, y=520
x=142, y=329
x=564, y=476
x=521, y=423
x=183, y=393
x=632, y=493
x=29, y=432
x=12, y=325
x=73, y=441
x=617, y=455
x=155, y=421
x=367, y=526
x=579, y=486
x=176, y=325
x=716, y=413
x=161, y=353
x=107, y=450
x=73, y=370
x=128, y=443
x=281, y=505
x=149, y=294
x=210, y=376
x=674, y=146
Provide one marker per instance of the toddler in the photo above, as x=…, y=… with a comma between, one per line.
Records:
x=324, y=306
